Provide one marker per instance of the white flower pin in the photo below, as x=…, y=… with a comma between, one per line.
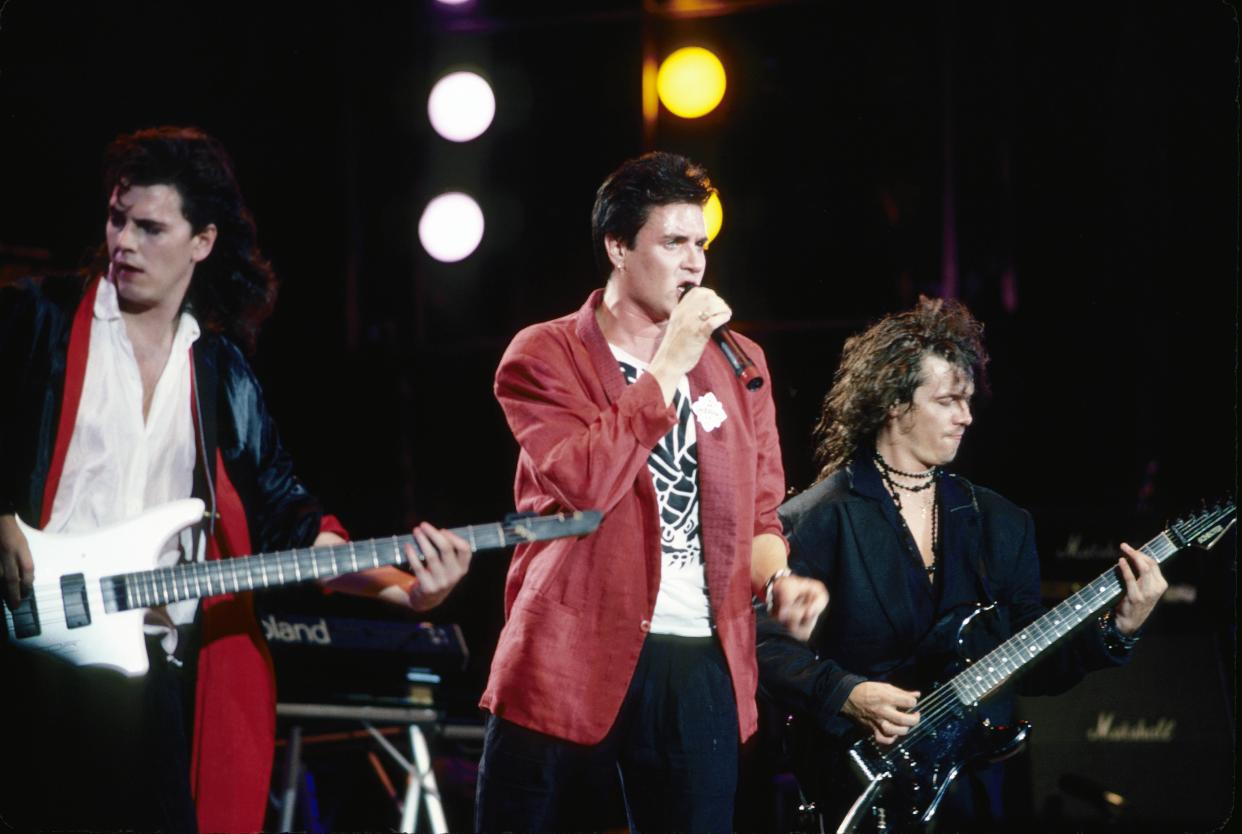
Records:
x=709, y=411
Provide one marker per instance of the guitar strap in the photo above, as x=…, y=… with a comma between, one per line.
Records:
x=975, y=554
x=204, y=384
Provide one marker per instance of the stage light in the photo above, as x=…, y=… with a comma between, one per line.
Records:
x=461, y=106
x=713, y=216
x=451, y=227
x=452, y=2
x=691, y=82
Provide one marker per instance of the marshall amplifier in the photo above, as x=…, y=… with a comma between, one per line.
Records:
x=1148, y=747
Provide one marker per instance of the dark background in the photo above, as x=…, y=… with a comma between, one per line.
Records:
x=1088, y=154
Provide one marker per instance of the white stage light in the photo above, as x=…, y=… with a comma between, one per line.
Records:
x=461, y=106
x=451, y=227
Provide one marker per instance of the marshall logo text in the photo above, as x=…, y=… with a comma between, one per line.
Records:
x=1107, y=728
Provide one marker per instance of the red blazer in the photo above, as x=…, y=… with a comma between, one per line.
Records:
x=577, y=610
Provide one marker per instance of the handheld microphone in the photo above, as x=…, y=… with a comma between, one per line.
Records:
x=743, y=367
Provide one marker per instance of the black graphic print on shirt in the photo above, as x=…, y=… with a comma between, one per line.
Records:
x=674, y=468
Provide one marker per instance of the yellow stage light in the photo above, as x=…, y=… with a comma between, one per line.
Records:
x=691, y=82
x=713, y=216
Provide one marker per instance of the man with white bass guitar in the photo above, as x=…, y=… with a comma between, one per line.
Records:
x=127, y=388
x=907, y=550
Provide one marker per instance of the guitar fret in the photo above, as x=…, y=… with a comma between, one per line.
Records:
x=253, y=563
x=314, y=564
x=353, y=556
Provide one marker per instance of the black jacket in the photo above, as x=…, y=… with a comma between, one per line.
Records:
x=843, y=531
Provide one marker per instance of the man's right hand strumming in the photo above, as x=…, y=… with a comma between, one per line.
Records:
x=882, y=709
x=16, y=565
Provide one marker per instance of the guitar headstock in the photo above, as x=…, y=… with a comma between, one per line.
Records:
x=1206, y=527
x=528, y=527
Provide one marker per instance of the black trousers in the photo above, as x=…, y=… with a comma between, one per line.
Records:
x=674, y=746
x=89, y=749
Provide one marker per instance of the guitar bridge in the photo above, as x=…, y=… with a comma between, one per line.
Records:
x=26, y=619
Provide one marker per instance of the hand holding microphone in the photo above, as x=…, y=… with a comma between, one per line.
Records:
x=741, y=364
x=700, y=317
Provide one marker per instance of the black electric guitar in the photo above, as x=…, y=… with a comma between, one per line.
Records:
x=902, y=784
x=91, y=589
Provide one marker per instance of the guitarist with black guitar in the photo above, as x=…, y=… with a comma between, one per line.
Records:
x=125, y=389
x=908, y=552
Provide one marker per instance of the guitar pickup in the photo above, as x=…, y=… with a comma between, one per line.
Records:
x=26, y=618
x=73, y=595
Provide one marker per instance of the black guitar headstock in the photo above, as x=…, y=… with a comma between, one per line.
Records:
x=1206, y=527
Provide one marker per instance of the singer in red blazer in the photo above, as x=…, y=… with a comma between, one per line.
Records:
x=577, y=610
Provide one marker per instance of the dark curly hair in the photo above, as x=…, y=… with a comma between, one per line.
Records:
x=882, y=366
x=234, y=289
x=626, y=198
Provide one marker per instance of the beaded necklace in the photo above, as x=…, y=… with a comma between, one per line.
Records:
x=894, y=489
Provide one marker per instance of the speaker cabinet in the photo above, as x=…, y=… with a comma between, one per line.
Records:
x=1146, y=747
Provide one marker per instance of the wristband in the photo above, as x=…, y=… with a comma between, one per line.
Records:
x=767, y=586
x=1114, y=640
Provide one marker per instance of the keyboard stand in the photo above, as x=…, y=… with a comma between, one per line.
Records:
x=420, y=784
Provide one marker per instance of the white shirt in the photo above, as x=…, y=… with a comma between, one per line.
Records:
x=117, y=464
x=682, y=604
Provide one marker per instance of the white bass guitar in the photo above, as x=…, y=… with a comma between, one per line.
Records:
x=91, y=589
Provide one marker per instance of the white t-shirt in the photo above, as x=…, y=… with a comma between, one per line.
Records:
x=682, y=605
